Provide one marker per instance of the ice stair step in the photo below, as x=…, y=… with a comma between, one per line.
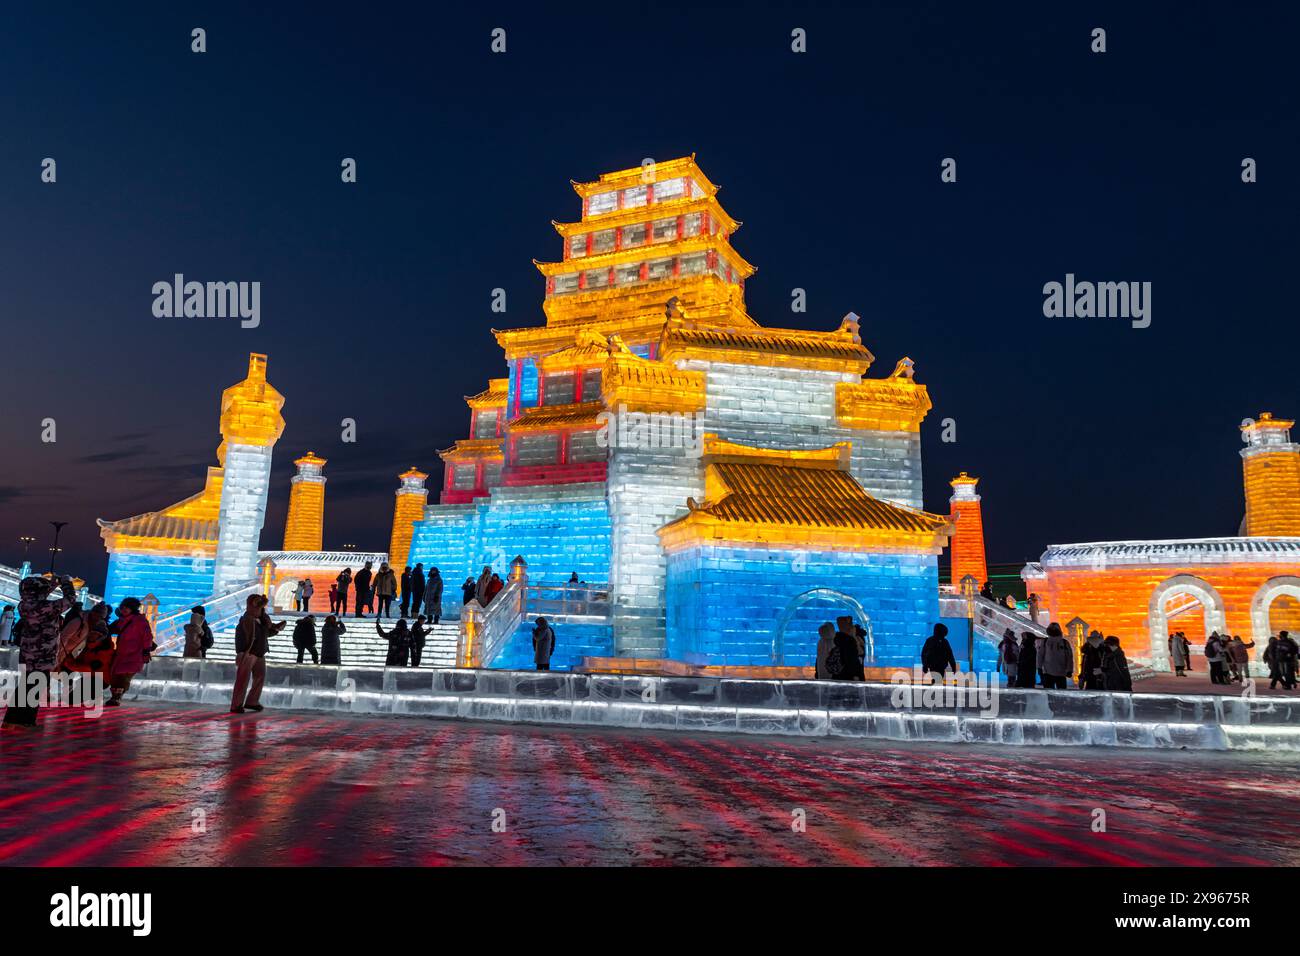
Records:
x=360, y=645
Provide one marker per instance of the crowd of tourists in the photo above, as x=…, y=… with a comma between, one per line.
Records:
x=58, y=636
x=1049, y=661
x=55, y=635
x=1227, y=658
x=373, y=592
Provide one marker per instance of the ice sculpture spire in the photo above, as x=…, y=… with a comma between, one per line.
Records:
x=968, y=539
x=408, y=508
x=251, y=424
x=1271, y=466
x=304, y=529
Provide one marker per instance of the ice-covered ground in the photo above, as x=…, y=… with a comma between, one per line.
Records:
x=180, y=785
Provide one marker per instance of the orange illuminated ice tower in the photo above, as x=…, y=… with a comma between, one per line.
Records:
x=1271, y=462
x=304, y=530
x=968, y=541
x=407, y=509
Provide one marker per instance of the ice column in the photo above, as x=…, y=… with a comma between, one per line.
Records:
x=250, y=426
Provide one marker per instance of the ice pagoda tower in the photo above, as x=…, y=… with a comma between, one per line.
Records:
x=595, y=440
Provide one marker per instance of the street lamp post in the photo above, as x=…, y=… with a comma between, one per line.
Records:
x=54, y=549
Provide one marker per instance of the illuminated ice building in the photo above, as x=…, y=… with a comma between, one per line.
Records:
x=721, y=487
x=1247, y=584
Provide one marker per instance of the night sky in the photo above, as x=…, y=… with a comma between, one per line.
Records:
x=1123, y=166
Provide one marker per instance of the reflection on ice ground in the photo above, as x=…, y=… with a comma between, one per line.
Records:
x=294, y=788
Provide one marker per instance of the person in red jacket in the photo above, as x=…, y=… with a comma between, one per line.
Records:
x=134, y=645
x=494, y=587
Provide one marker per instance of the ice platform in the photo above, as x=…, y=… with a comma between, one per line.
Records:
x=802, y=708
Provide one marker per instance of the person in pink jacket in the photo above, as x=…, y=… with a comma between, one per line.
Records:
x=134, y=644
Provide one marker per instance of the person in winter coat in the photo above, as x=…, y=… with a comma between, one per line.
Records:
x=297, y=595
x=846, y=625
x=843, y=661
x=406, y=591
x=207, y=640
x=483, y=585
x=494, y=587
x=252, y=642
x=399, y=643
x=1090, y=675
x=1280, y=655
x=385, y=590
x=7, y=624
x=1216, y=657
x=331, y=651
x=468, y=591
x=334, y=597
x=344, y=581
x=1057, y=664
x=134, y=645
x=1180, y=653
x=433, y=596
x=936, y=654
x=362, y=584
x=825, y=644
x=418, y=635
x=1009, y=656
x=1114, y=667
x=38, y=641
x=97, y=653
x=543, y=644
x=308, y=589
x=304, y=638
x=194, y=635
x=72, y=639
x=417, y=589
x=1239, y=658
x=1027, y=664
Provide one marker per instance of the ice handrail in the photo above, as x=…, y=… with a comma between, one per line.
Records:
x=484, y=631
x=220, y=609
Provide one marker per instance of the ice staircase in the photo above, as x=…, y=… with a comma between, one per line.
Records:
x=360, y=645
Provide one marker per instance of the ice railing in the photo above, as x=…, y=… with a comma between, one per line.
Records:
x=484, y=631
x=991, y=618
x=569, y=600
x=9, y=579
x=220, y=610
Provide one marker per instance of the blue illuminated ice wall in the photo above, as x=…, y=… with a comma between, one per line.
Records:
x=177, y=581
x=557, y=529
x=724, y=602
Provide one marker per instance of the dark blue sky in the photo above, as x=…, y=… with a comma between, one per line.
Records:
x=375, y=297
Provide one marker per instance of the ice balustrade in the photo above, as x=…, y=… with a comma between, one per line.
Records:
x=484, y=631
x=220, y=610
x=582, y=599
x=991, y=619
x=9, y=580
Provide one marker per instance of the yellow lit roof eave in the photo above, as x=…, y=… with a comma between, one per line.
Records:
x=630, y=215
x=494, y=396
x=473, y=449
x=650, y=250
x=636, y=175
x=549, y=418
x=700, y=528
